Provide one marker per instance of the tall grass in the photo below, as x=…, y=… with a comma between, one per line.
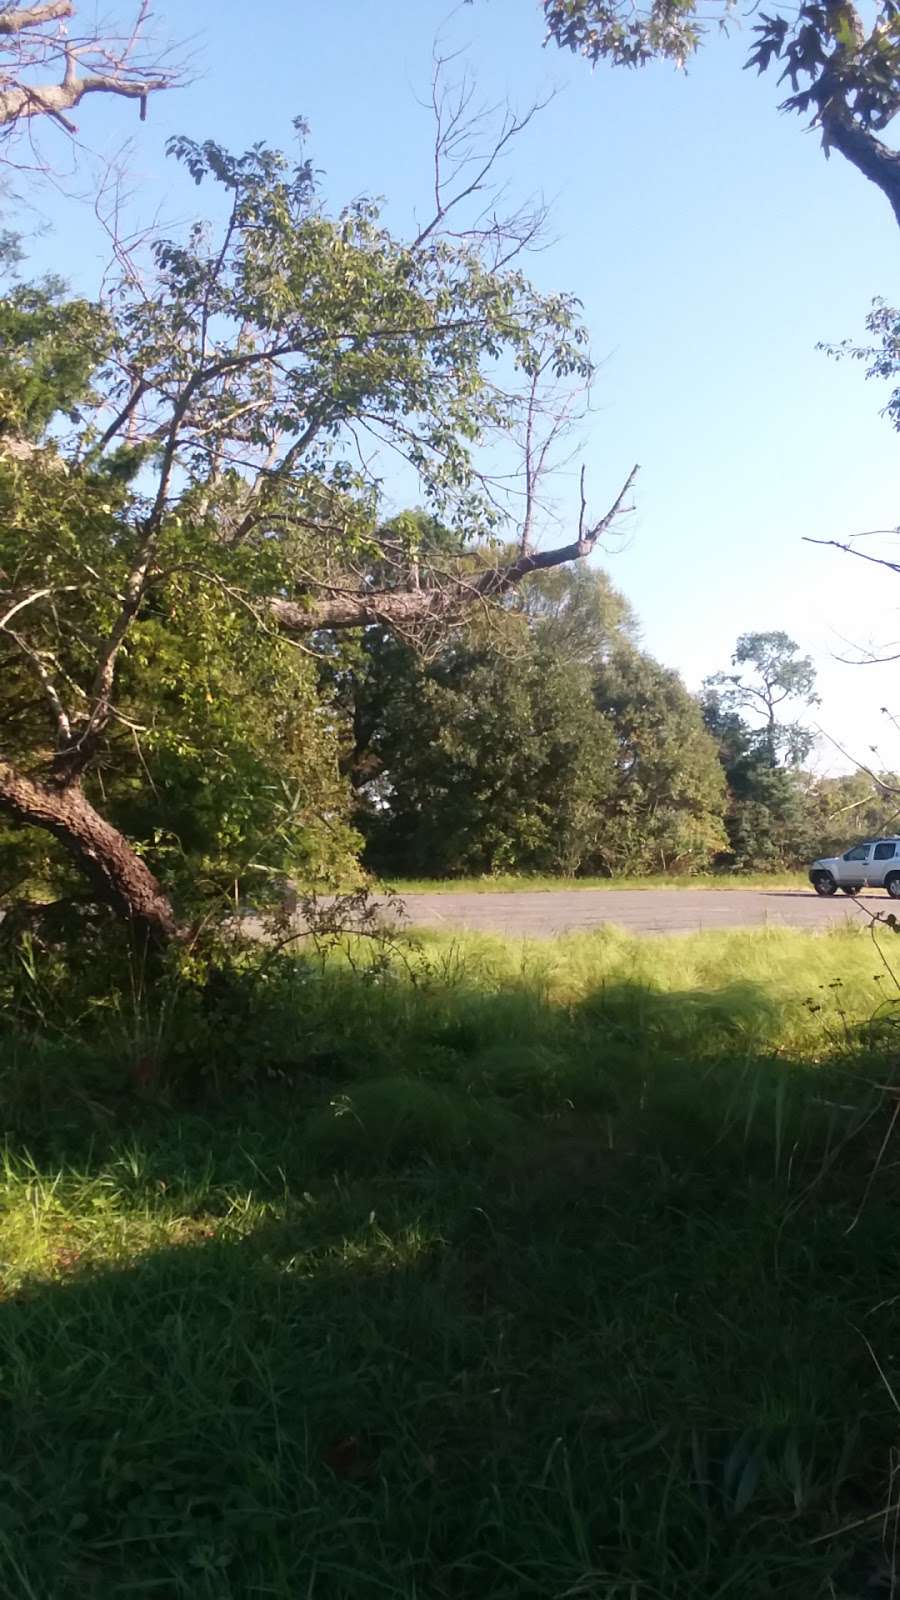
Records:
x=483, y=1270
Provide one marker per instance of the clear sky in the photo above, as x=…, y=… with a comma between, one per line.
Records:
x=712, y=246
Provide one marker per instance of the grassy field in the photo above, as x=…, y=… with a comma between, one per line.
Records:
x=512, y=883
x=462, y=1271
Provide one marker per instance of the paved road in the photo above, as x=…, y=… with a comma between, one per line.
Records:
x=540, y=914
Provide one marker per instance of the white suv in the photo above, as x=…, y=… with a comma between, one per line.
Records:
x=876, y=863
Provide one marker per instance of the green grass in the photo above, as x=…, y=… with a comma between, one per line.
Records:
x=514, y=883
x=486, y=1272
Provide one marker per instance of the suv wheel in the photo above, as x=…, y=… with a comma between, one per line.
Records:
x=824, y=884
x=892, y=884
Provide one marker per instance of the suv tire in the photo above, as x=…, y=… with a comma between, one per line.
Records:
x=892, y=884
x=824, y=884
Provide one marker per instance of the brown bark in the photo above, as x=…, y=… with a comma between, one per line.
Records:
x=119, y=876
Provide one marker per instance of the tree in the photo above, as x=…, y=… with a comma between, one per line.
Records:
x=665, y=806
x=491, y=758
x=852, y=806
x=190, y=487
x=777, y=676
x=549, y=744
x=767, y=815
x=577, y=613
x=492, y=755
x=46, y=70
x=844, y=73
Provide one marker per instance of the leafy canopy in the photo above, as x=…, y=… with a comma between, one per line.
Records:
x=210, y=441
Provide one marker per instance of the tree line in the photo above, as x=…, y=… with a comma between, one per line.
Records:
x=549, y=741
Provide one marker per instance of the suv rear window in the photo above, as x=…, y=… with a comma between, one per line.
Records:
x=884, y=852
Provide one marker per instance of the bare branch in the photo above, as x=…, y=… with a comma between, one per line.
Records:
x=35, y=44
x=406, y=608
x=465, y=154
x=882, y=787
x=849, y=550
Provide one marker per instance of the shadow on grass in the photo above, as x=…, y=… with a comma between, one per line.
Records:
x=471, y=1296
x=376, y=1068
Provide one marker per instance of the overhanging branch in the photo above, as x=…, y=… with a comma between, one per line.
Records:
x=405, y=608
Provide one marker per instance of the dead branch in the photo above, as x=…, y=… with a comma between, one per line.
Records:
x=35, y=43
x=405, y=608
x=850, y=550
x=469, y=142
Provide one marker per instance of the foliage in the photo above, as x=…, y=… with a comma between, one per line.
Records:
x=819, y=45
x=766, y=817
x=551, y=744
x=854, y=806
x=577, y=613
x=768, y=823
x=842, y=62
x=583, y=1328
x=882, y=356
x=489, y=758
x=667, y=797
x=823, y=50
x=775, y=677
x=178, y=462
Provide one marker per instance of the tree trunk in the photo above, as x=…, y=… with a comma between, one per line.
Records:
x=876, y=161
x=119, y=876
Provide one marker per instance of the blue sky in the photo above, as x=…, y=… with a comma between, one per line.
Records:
x=712, y=246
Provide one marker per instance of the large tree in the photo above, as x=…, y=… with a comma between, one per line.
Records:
x=755, y=715
x=767, y=814
x=191, y=487
x=492, y=755
x=545, y=742
x=665, y=806
x=843, y=71
x=775, y=684
x=490, y=758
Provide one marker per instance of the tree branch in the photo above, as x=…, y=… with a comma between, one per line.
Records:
x=33, y=43
x=36, y=16
x=848, y=550
x=59, y=712
x=404, y=608
x=119, y=876
x=875, y=160
x=55, y=99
